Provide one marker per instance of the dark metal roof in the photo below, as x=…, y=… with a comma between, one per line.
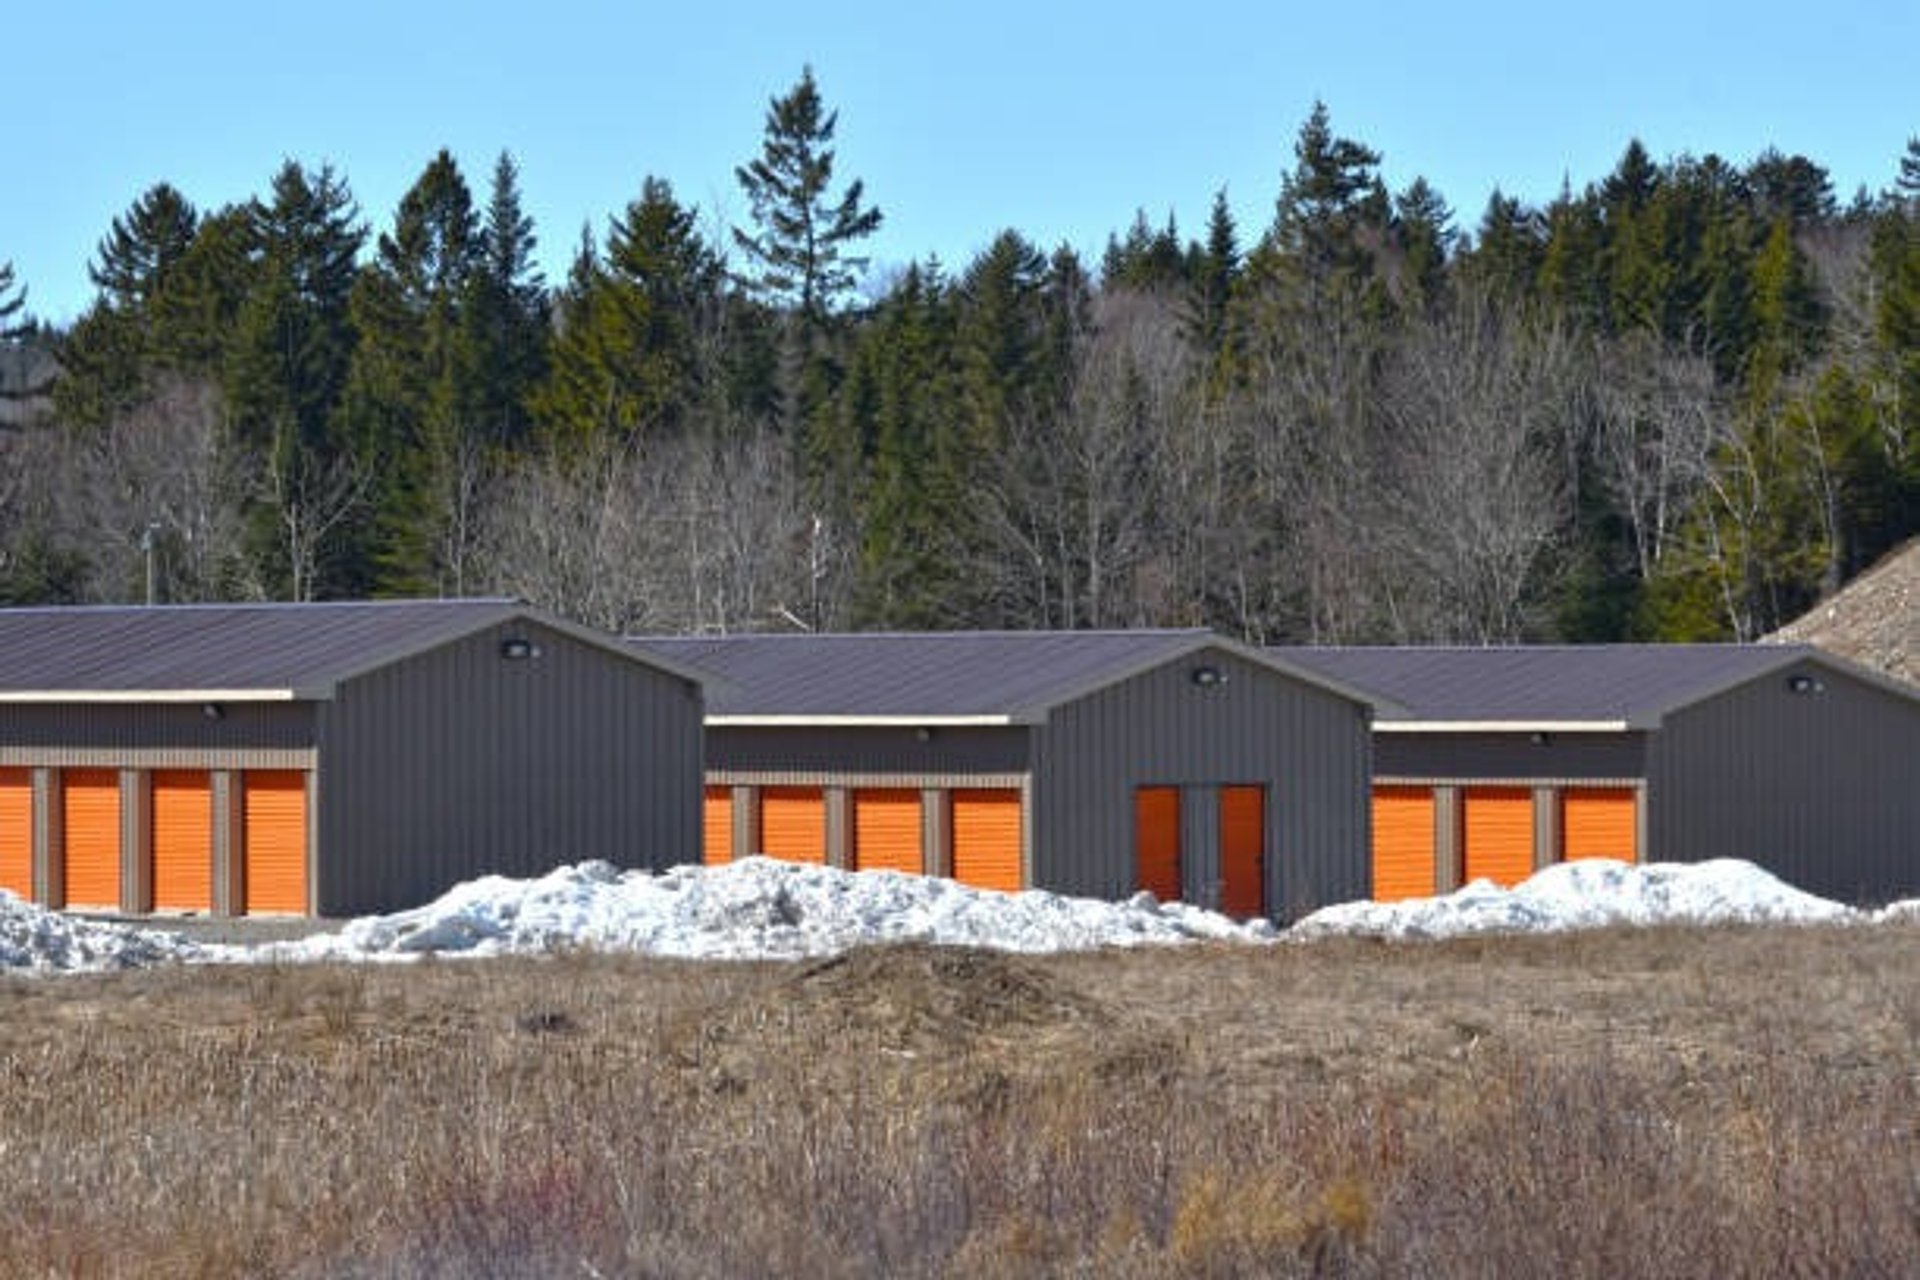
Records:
x=266, y=651
x=1601, y=686
x=1011, y=677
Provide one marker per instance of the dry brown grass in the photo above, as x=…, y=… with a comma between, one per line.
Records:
x=1734, y=1102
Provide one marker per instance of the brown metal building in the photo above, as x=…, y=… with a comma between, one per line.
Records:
x=1092, y=763
x=329, y=759
x=1494, y=762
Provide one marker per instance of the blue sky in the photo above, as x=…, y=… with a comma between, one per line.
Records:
x=1056, y=119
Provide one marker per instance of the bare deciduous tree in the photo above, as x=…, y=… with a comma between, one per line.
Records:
x=1478, y=408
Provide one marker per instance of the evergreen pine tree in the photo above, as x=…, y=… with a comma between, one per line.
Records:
x=1424, y=233
x=509, y=313
x=1216, y=268
x=286, y=368
x=627, y=358
x=412, y=404
x=801, y=250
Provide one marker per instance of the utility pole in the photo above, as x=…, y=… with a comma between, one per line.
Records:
x=147, y=547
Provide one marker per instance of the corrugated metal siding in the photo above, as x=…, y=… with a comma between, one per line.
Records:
x=830, y=752
x=1508, y=755
x=1310, y=748
x=1822, y=789
x=458, y=762
x=163, y=734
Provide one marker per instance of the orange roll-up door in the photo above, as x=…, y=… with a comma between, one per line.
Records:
x=1156, y=841
x=887, y=830
x=182, y=818
x=986, y=839
x=90, y=800
x=1243, y=846
x=1599, y=822
x=16, y=831
x=1498, y=831
x=793, y=824
x=1403, y=853
x=716, y=826
x=274, y=841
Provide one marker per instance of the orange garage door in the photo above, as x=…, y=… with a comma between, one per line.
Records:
x=1498, y=831
x=1403, y=854
x=1598, y=822
x=1156, y=841
x=1243, y=844
x=90, y=809
x=793, y=824
x=716, y=826
x=986, y=839
x=16, y=831
x=886, y=830
x=182, y=817
x=274, y=840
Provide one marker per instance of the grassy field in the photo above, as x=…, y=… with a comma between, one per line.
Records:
x=1685, y=1102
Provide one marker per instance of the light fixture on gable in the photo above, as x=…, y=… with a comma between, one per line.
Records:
x=518, y=649
x=1207, y=677
x=1801, y=682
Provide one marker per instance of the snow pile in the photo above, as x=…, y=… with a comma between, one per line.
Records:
x=762, y=909
x=41, y=941
x=1591, y=894
x=753, y=909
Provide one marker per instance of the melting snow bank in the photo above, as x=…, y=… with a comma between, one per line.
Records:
x=756, y=908
x=40, y=941
x=761, y=909
x=1596, y=894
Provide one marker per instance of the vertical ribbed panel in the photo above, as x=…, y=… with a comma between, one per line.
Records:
x=461, y=762
x=1258, y=728
x=1820, y=788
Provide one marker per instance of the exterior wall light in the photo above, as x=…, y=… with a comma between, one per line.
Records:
x=518, y=649
x=213, y=711
x=1800, y=682
x=1207, y=677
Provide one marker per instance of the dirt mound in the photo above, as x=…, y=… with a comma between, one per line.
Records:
x=918, y=1006
x=1873, y=620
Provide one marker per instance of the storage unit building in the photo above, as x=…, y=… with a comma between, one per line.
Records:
x=1094, y=763
x=330, y=759
x=1497, y=761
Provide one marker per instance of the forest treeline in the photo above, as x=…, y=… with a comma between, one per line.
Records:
x=1681, y=402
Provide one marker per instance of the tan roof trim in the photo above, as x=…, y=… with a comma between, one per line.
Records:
x=859, y=722
x=1502, y=726
x=110, y=696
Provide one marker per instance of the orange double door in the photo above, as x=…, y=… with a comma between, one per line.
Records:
x=1158, y=854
